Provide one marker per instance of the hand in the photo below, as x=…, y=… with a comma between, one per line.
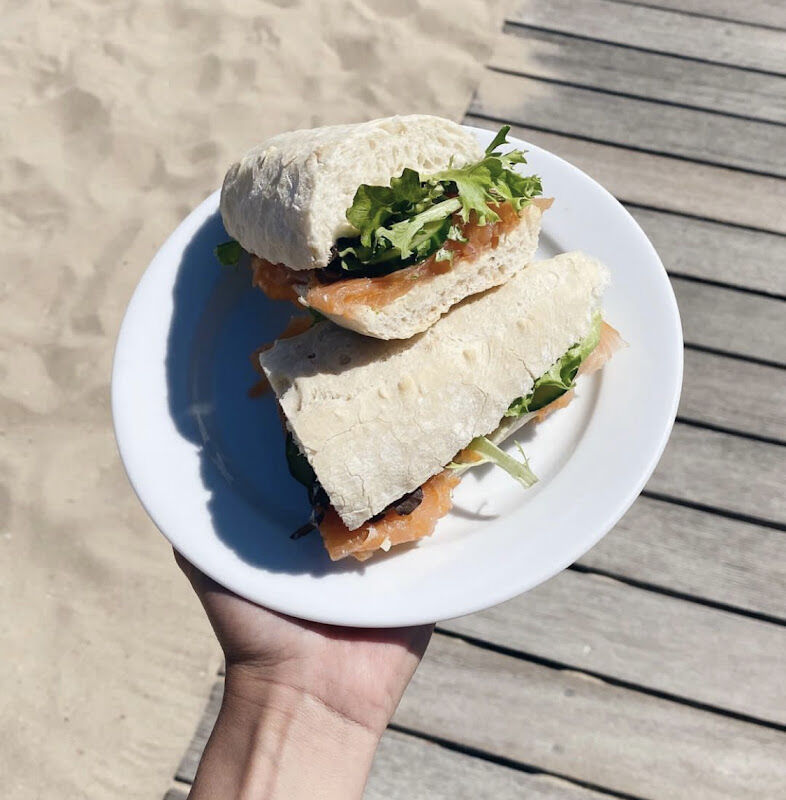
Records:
x=304, y=691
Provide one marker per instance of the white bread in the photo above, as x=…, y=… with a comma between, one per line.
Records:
x=430, y=297
x=376, y=419
x=286, y=199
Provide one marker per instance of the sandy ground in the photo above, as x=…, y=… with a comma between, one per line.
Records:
x=116, y=118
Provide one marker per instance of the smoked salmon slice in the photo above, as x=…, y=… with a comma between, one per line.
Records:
x=393, y=528
x=279, y=282
x=344, y=295
x=610, y=341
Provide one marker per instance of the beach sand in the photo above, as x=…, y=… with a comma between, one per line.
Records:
x=116, y=119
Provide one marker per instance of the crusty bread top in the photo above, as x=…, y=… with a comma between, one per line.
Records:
x=377, y=418
x=286, y=199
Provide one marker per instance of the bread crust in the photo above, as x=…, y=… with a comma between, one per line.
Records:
x=286, y=199
x=377, y=418
x=432, y=296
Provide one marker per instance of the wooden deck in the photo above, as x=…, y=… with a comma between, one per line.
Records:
x=655, y=667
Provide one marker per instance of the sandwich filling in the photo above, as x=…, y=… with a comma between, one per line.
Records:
x=415, y=515
x=415, y=228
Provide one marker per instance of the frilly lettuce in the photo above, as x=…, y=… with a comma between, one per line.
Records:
x=560, y=377
x=411, y=219
x=489, y=453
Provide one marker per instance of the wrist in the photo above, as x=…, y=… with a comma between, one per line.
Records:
x=277, y=740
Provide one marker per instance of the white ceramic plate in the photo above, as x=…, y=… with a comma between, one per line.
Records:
x=208, y=462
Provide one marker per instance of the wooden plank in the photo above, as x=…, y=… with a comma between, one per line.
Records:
x=584, y=729
x=716, y=252
x=406, y=767
x=187, y=768
x=696, y=553
x=734, y=394
x=643, y=124
x=732, y=321
x=663, y=31
x=601, y=625
x=670, y=184
x=724, y=472
x=752, y=12
x=653, y=76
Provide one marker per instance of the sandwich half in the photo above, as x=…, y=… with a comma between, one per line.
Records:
x=380, y=431
x=384, y=225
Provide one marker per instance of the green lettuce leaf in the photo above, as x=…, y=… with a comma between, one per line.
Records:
x=560, y=377
x=412, y=218
x=491, y=454
x=228, y=253
x=298, y=464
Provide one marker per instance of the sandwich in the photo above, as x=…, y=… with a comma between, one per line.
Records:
x=380, y=431
x=381, y=226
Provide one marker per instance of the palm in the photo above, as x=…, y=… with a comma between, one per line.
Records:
x=358, y=672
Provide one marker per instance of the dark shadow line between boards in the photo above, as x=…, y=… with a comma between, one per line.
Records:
x=655, y=588
x=611, y=680
x=698, y=217
x=710, y=426
x=716, y=351
x=632, y=96
x=505, y=761
x=633, y=148
x=699, y=15
x=683, y=57
x=720, y=512
x=724, y=285
x=469, y=118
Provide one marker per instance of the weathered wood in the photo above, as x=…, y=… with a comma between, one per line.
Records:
x=653, y=76
x=601, y=625
x=671, y=184
x=734, y=394
x=655, y=29
x=406, y=767
x=187, y=768
x=644, y=124
x=583, y=728
x=732, y=321
x=716, y=252
x=724, y=472
x=697, y=553
x=752, y=12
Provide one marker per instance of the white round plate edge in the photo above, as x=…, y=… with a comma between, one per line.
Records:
x=374, y=615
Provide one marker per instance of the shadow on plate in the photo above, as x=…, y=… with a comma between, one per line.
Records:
x=217, y=322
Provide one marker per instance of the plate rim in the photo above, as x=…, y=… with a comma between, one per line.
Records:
x=568, y=555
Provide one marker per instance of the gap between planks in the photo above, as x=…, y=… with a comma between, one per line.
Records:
x=409, y=764
x=760, y=13
x=586, y=729
x=663, y=182
x=694, y=723
x=642, y=126
x=644, y=640
x=660, y=31
x=640, y=75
